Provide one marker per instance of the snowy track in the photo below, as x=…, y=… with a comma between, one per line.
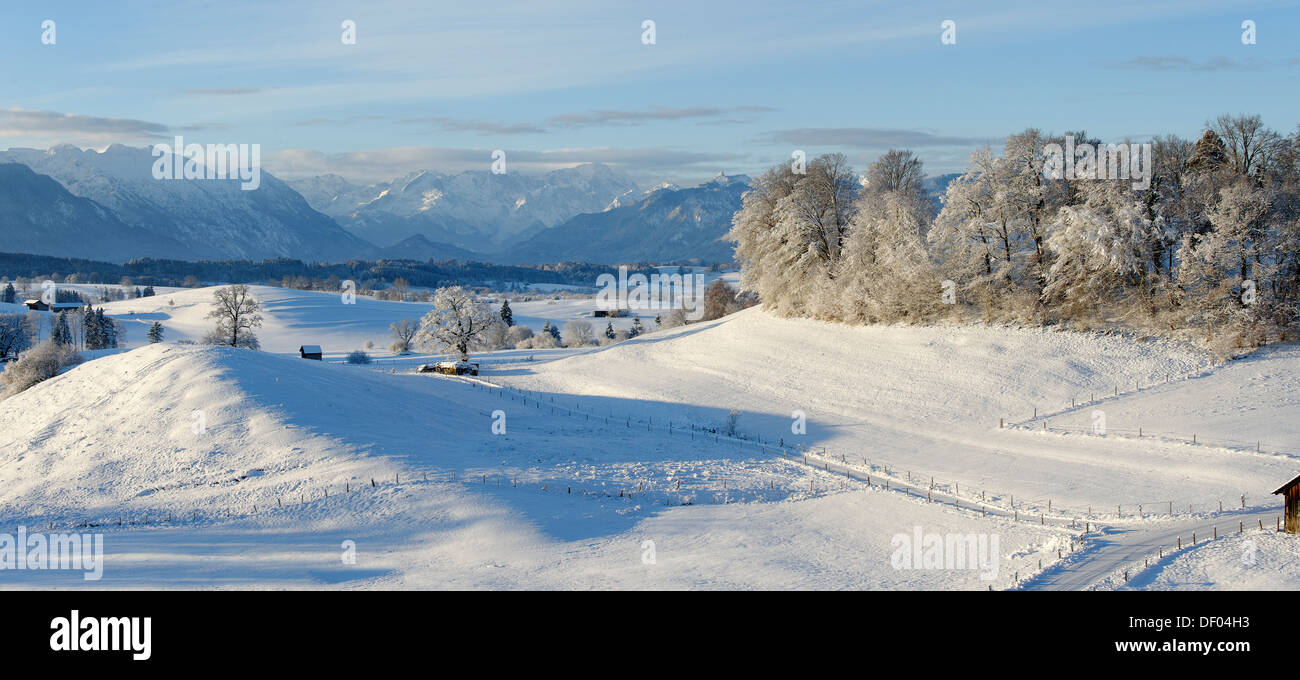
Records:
x=1134, y=549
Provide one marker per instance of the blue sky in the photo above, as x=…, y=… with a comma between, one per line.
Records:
x=727, y=86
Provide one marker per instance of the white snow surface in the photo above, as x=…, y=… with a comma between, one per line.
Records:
x=928, y=400
x=210, y=467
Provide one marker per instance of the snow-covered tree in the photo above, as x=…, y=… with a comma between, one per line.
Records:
x=15, y=334
x=518, y=334
x=790, y=230
x=507, y=316
x=899, y=171
x=155, y=334
x=552, y=330
x=719, y=301
x=579, y=333
x=1103, y=253
x=237, y=313
x=1249, y=145
x=674, y=318
x=455, y=324
x=403, y=333
x=1217, y=265
x=41, y=362
x=886, y=274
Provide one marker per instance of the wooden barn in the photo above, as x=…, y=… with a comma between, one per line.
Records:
x=40, y=306
x=1291, y=492
x=310, y=352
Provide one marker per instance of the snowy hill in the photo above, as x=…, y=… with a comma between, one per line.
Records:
x=280, y=473
x=929, y=399
x=210, y=219
x=538, y=507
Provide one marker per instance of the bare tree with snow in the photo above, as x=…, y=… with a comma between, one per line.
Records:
x=456, y=322
x=579, y=333
x=237, y=313
x=403, y=333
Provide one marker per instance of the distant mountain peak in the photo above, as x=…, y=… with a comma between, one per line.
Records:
x=204, y=219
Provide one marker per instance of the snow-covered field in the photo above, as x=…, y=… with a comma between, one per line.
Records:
x=294, y=317
x=232, y=468
x=928, y=400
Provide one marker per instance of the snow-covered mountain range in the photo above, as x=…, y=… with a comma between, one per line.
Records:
x=107, y=205
x=209, y=219
x=39, y=216
x=476, y=210
x=667, y=224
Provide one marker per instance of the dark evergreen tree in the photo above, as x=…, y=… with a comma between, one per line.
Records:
x=1208, y=154
x=155, y=333
x=91, y=336
x=637, y=328
x=61, y=333
x=9, y=295
x=506, y=315
x=609, y=331
x=107, y=329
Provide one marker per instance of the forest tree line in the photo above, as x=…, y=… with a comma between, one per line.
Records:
x=1210, y=246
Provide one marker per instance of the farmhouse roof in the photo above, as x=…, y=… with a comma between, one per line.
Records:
x=1284, y=487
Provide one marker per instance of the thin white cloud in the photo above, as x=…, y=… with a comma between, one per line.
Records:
x=52, y=127
x=1180, y=63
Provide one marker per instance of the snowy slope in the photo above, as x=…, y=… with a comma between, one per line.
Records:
x=588, y=469
x=927, y=402
x=558, y=501
x=1254, y=560
x=1247, y=402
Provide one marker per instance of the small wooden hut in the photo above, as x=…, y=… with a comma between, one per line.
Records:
x=1291, y=492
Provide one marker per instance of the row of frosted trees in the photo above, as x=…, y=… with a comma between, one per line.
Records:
x=1211, y=245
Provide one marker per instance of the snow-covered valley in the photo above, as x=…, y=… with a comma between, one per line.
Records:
x=611, y=467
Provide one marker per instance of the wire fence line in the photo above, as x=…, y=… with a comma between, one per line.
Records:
x=1144, y=433
x=678, y=490
x=1186, y=541
x=1042, y=419
x=874, y=469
